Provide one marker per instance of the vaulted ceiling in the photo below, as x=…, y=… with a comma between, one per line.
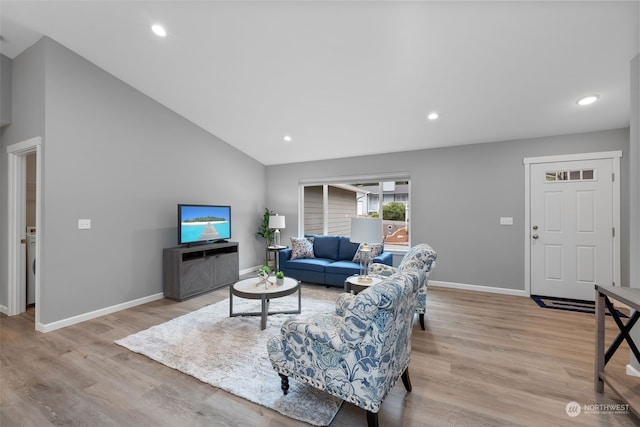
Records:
x=346, y=78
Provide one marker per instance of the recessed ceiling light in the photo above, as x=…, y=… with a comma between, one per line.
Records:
x=159, y=30
x=587, y=100
x=432, y=116
x=287, y=138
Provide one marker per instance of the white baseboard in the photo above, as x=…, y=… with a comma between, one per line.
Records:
x=48, y=327
x=479, y=288
x=250, y=269
x=4, y=309
x=632, y=371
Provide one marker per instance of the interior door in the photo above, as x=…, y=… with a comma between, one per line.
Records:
x=571, y=234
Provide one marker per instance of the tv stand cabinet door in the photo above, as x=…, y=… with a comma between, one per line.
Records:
x=225, y=269
x=196, y=277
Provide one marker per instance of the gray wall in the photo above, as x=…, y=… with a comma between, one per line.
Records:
x=5, y=90
x=115, y=156
x=28, y=104
x=28, y=95
x=458, y=195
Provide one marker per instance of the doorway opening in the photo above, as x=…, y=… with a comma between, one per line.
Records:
x=25, y=224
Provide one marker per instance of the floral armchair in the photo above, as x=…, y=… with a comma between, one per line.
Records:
x=420, y=257
x=357, y=353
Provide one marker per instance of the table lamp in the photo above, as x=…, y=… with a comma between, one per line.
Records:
x=365, y=231
x=276, y=222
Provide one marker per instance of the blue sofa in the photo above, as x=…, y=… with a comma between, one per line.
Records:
x=332, y=263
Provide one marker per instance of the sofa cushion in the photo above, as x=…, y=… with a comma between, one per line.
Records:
x=301, y=247
x=325, y=246
x=343, y=267
x=311, y=264
x=347, y=249
x=376, y=249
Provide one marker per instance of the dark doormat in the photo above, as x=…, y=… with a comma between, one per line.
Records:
x=568, y=304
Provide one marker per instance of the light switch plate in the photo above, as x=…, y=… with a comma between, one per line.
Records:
x=84, y=224
x=506, y=220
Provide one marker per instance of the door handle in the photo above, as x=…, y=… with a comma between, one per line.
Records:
x=535, y=236
x=535, y=227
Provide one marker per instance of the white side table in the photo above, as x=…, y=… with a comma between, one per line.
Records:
x=352, y=283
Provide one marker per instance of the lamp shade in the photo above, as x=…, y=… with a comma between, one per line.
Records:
x=366, y=230
x=276, y=221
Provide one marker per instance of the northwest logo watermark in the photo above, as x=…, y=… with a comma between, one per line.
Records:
x=573, y=409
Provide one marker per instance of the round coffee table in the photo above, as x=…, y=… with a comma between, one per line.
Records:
x=253, y=288
x=352, y=283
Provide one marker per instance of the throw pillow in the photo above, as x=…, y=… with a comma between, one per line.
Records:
x=376, y=249
x=302, y=247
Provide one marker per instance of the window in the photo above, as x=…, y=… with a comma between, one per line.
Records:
x=572, y=175
x=327, y=208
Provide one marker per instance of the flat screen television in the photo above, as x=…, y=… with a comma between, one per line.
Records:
x=203, y=224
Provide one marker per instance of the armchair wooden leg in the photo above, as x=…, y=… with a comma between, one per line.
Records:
x=284, y=383
x=372, y=419
x=422, y=321
x=406, y=380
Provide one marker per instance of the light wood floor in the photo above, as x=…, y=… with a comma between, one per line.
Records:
x=484, y=360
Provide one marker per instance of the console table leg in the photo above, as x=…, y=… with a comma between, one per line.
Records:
x=600, y=304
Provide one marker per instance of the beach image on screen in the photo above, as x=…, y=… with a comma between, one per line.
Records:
x=204, y=223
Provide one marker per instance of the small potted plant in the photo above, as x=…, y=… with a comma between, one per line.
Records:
x=279, y=277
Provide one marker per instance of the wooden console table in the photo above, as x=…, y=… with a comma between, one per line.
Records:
x=627, y=387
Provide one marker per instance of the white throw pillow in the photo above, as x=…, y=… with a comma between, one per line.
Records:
x=302, y=247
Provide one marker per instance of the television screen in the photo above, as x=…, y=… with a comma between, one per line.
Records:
x=203, y=223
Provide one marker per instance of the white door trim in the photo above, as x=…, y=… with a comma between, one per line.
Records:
x=528, y=161
x=16, y=286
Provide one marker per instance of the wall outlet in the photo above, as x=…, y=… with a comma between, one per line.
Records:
x=84, y=224
x=506, y=220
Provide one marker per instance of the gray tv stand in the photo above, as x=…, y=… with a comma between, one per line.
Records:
x=193, y=270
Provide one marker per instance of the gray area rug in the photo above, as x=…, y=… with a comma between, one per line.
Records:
x=231, y=353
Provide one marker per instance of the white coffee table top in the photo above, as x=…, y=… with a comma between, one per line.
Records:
x=254, y=287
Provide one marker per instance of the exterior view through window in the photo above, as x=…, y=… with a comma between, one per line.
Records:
x=328, y=209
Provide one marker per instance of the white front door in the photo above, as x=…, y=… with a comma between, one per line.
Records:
x=571, y=227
